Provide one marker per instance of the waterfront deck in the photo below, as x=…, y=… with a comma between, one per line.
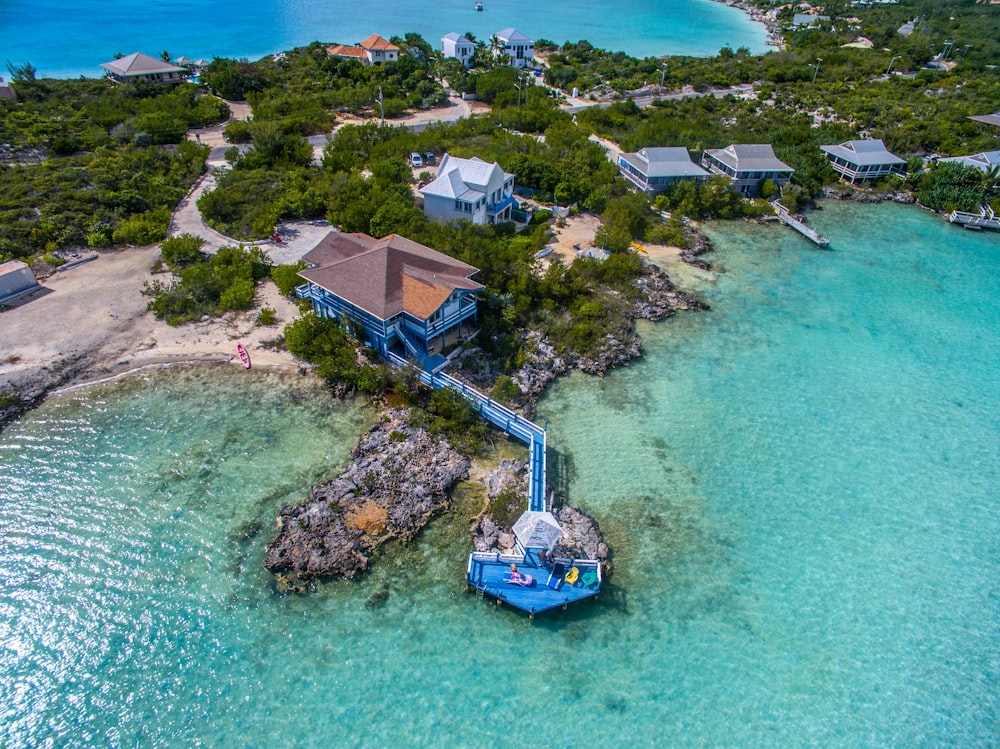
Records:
x=985, y=219
x=488, y=575
x=789, y=220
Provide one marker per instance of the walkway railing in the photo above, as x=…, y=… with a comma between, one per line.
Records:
x=789, y=220
x=500, y=416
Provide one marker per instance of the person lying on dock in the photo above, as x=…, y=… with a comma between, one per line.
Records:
x=517, y=578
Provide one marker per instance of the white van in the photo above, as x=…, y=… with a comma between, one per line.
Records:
x=416, y=159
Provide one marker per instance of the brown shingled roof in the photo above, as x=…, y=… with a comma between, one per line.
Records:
x=377, y=42
x=342, y=50
x=387, y=276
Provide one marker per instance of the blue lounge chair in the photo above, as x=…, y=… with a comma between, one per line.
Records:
x=556, y=576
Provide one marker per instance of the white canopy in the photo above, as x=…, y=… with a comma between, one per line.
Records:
x=537, y=530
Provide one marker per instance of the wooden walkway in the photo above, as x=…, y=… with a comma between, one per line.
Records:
x=985, y=219
x=789, y=220
x=500, y=416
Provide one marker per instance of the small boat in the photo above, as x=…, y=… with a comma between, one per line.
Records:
x=244, y=356
x=479, y=6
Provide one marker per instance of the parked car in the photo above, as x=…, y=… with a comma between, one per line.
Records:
x=416, y=160
x=430, y=159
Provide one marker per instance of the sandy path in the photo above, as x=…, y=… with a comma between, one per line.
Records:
x=91, y=321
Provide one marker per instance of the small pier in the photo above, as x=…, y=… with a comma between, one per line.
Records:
x=985, y=219
x=543, y=582
x=789, y=220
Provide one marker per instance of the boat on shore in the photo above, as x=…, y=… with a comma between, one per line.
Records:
x=243, y=354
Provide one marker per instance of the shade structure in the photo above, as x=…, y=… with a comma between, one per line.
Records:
x=537, y=530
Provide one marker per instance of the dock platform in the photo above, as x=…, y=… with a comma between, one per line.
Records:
x=554, y=583
x=789, y=220
x=985, y=219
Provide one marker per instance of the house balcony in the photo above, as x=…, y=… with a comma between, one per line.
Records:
x=495, y=209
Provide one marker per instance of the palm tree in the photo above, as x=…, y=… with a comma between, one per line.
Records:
x=165, y=55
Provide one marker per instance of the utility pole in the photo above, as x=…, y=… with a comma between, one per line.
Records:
x=816, y=68
x=889, y=69
x=381, y=106
x=663, y=72
x=947, y=49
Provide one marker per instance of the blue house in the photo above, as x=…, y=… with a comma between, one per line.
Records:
x=402, y=296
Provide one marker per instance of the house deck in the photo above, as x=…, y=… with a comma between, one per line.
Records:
x=488, y=574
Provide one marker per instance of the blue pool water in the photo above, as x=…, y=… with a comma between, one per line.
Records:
x=66, y=39
x=800, y=485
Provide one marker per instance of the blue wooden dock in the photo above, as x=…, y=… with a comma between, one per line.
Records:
x=501, y=417
x=555, y=583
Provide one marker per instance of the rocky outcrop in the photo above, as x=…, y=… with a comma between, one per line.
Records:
x=700, y=244
x=863, y=195
x=398, y=479
x=581, y=537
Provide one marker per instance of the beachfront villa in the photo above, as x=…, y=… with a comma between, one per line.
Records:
x=747, y=165
x=519, y=48
x=372, y=51
x=140, y=67
x=984, y=161
x=469, y=189
x=405, y=298
x=459, y=47
x=653, y=170
x=348, y=52
x=379, y=50
x=864, y=159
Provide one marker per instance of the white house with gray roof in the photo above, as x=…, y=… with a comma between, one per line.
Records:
x=653, y=170
x=469, y=189
x=519, y=48
x=747, y=165
x=459, y=47
x=140, y=67
x=984, y=161
x=863, y=159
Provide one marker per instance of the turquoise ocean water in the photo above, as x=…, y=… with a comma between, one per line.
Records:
x=800, y=484
x=66, y=38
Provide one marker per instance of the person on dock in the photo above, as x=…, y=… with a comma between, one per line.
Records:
x=515, y=576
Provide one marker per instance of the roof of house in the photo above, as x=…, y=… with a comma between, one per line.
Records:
x=387, y=276
x=864, y=152
x=7, y=91
x=11, y=266
x=982, y=161
x=989, y=119
x=344, y=50
x=463, y=179
x=513, y=36
x=664, y=162
x=377, y=42
x=807, y=19
x=139, y=64
x=758, y=157
x=457, y=38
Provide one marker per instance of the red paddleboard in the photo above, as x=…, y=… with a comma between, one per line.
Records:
x=244, y=356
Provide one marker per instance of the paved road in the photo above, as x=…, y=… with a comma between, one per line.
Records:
x=646, y=101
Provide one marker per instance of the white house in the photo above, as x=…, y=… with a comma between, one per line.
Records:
x=469, y=189
x=140, y=67
x=984, y=161
x=653, y=170
x=457, y=46
x=517, y=46
x=747, y=165
x=379, y=50
x=863, y=159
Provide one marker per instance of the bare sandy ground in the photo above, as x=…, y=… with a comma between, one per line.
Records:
x=91, y=321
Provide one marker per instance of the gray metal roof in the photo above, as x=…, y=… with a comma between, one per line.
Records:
x=864, y=152
x=513, y=36
x=989, y=119
x=757, y=157
x=465, y=179
x=982, y=161
x=664, y=162
x=139, y=64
